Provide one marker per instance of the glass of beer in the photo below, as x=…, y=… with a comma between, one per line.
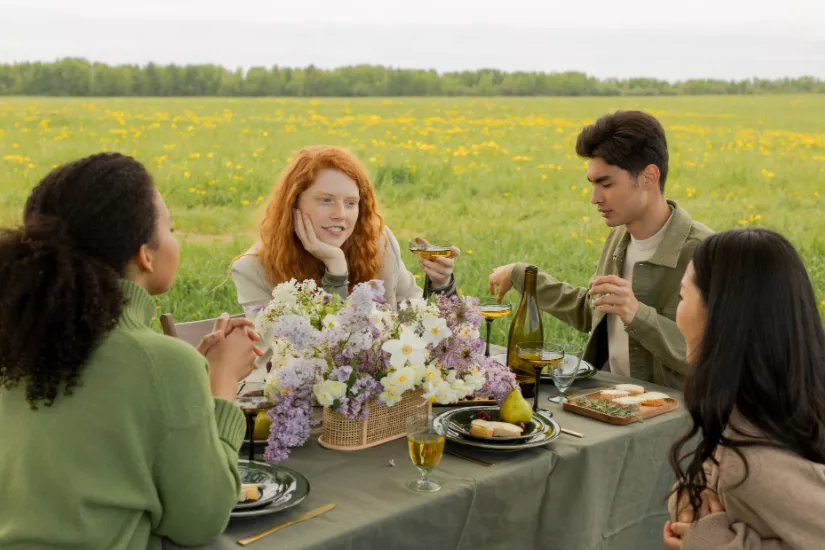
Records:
x=426, y=447
x=491, y=310
x=540, y=355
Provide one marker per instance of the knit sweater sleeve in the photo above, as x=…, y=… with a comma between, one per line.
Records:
x=779, y=506
x=195, y=471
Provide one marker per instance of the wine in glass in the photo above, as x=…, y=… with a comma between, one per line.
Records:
x=540, y=355
x=431, y=250
x=426, y=447
x=565, y=373
x=491, y=310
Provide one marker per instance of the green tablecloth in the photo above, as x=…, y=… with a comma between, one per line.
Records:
x=605, y=491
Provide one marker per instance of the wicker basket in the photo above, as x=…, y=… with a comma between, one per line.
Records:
x=383, y=424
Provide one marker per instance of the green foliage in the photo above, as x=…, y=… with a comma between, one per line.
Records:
x=80, y=78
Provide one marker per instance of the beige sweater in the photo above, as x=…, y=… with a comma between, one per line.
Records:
x=255, y=292
x=781, y=504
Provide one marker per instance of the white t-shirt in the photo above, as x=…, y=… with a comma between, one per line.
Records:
x=618, y=343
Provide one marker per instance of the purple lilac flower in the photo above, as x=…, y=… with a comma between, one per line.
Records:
x=361, y=340
x=377, y=286
x=297, y=330
x=341, y=374
x=459, y=353
x=459, y=311
x=301, y=373
x=333, y=337
x=290, y=426
x=361, y=395
x=500, y=379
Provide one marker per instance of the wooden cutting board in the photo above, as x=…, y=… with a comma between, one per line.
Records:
x=642, y=412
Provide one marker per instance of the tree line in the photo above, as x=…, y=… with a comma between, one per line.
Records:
x=79, y=77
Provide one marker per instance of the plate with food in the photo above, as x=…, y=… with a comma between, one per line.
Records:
x=486, y=425
x=547, y=430
x=621, y=404
x=511, y=427
x=267, y=489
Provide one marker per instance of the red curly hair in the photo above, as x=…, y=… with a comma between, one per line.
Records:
x=281, y=253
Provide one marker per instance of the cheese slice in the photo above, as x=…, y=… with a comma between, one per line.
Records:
x=250, y=492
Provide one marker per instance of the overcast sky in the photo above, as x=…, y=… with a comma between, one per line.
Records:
x=670, y=39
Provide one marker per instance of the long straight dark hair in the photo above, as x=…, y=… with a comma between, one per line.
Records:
x=762, y=353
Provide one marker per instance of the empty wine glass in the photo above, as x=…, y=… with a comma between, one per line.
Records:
x=565, y=373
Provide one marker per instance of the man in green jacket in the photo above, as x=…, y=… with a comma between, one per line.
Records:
x=629, y=307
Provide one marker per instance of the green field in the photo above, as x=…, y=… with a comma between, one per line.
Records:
x=497, y=176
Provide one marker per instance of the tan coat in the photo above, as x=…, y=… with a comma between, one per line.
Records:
x=781, y=504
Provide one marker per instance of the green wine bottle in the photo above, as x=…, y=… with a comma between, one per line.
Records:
x=526, y=327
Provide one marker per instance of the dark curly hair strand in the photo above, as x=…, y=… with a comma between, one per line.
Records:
x=60, y=270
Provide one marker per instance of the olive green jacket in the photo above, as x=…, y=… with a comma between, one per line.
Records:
x=657, y=348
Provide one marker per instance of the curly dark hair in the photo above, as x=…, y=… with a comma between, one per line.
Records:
x=60, y=270
x=631, y=140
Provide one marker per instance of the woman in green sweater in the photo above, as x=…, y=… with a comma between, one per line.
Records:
x=113, y=435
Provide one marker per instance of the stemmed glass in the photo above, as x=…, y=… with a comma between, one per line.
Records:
x=540, y=355
x=431, y=249
x=490, y=309
x=426, y=447
x=251, y=405
x=565, y=373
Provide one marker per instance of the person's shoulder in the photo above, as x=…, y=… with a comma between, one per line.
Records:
x=388, y=242
x=697, y=231
x=249, y=261
x=761, y=462
x=166, y=352
x=168, y=361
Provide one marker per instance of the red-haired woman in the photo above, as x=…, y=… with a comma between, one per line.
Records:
x=322, y=223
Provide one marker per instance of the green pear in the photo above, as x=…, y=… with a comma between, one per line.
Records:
x=515, y=409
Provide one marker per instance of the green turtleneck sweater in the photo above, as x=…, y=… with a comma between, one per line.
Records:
x=140, y=450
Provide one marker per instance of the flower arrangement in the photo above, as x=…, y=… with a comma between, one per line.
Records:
x=349, y=354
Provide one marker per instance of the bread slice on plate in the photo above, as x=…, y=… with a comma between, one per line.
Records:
x=487, y=428
x=611, y=395
x=481, y=428
x=631, y=389
x=250, y=492
x=653, y=399
x=631, y=401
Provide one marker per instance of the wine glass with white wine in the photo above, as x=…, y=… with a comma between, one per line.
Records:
x=426, y=447
x=491, y=310
x=431, y=249
x=540, y=355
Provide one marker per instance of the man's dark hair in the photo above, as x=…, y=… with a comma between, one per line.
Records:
x=631, y=140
